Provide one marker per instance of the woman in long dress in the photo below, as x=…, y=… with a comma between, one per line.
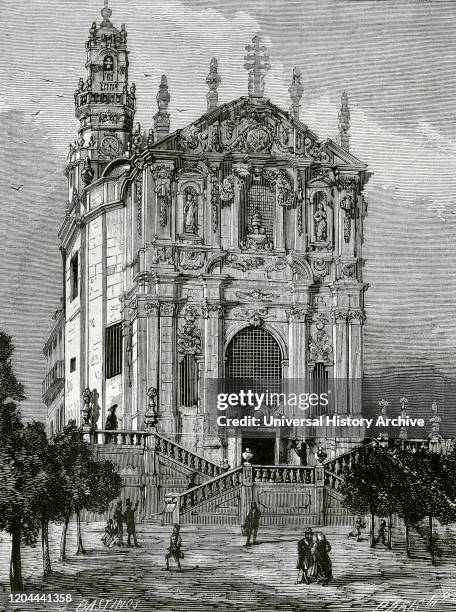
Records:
x=322, y=569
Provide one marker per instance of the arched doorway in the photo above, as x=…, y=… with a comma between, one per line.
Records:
x=255, y=356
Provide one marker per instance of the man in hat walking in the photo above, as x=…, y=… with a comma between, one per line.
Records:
x=129, y=518
x=252, y=522
x=305, y=558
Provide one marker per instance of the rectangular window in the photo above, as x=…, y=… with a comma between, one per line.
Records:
x=74, y=277
x=73, y=364
x=113, y=350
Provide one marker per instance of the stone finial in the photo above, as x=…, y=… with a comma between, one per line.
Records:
x=213, y=80
x=257, y=63
x=161, y=118
x=344, y=122
x=435, y=422
x=106, y=13
x=295, y=91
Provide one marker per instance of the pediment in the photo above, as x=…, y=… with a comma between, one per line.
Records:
x=255, y=127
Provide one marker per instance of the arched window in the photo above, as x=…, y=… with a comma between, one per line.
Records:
x=253, y=353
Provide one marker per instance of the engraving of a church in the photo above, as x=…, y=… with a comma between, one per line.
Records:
x=231, y=248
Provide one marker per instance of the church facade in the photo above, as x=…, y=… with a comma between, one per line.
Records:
x=229, y=249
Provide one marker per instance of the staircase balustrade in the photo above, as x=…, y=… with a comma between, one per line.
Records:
x=124, y=437
x=216, y=486
x=283, y=474
x=182, y=455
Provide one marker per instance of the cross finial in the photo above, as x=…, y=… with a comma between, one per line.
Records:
x=257, y=63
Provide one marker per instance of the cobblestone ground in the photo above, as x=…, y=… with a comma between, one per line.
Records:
x=221, y=574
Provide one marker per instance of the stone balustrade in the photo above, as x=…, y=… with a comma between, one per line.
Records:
x=216, y=486
x=188, y=458
x=124, y=437
x=283, y=474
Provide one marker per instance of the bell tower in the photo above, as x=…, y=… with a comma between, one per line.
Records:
x=104, y=102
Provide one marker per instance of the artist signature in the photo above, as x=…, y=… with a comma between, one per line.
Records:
x=88, y=605
x=414, y=605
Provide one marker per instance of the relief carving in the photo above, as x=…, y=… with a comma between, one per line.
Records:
x=189, y=337
x=162, y=174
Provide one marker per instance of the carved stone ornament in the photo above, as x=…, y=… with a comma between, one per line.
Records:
x=257, y=238
x=356, y=317
x=215, y=197
x=163, y=255
x=339, y=316
x=286, y=196
x=348, y=270
x=256, y=295
x=226, y=193
x=87, y=172
x=297, y=313
x=162, y=174
x=256, y=320
x=320, y=345
x=320, y=268
x=189, y=336
x=348, y=208
x=167, y=309
x=208, y=307
x=151, y=307
x=138, y=202
x=191, y=260
x=244, y=263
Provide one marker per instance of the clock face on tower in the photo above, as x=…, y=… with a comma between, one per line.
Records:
x=110, y=146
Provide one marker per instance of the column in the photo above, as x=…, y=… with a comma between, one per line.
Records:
x=356, y=320
x=341, y=361
x=167, y=377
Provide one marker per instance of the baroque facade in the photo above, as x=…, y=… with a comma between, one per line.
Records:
x=230, y=248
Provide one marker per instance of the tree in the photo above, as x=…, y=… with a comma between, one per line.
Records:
x=72, y=452
x=87, y=483
x=20, y=473
x=368, y=487
x=48, y=504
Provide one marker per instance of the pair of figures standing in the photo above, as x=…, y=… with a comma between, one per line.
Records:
x=313, y=558
x=129, y=518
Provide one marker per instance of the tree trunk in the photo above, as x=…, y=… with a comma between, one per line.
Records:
x=371, y=531
x=16, y=583
x=45, y=547
x=431, y=535
x=407, y=539
x=80, y=550
x=63, y=538
x=390, y=532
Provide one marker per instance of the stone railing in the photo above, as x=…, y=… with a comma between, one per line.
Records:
x=185, y=457
x=223, y=483
x=344, y=462
x=283, y=474
x=333, y=480
x=125, y=437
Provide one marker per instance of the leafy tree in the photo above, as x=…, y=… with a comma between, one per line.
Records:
x=20, y=472
x=368, y=487
x=87, y=483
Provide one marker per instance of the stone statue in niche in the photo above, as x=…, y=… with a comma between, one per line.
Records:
x=321, y=220
x=190, y=211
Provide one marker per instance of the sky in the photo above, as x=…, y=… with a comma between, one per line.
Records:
x=397, y=62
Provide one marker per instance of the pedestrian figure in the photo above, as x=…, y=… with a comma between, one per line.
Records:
x=305, y=559
x=322, y=566
x=174, y=550
x=111, y=424
x=108, y=539
x=382, y=529
x=129, y=518
x=251, y=524
x=356, y=533
x=118, y=518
